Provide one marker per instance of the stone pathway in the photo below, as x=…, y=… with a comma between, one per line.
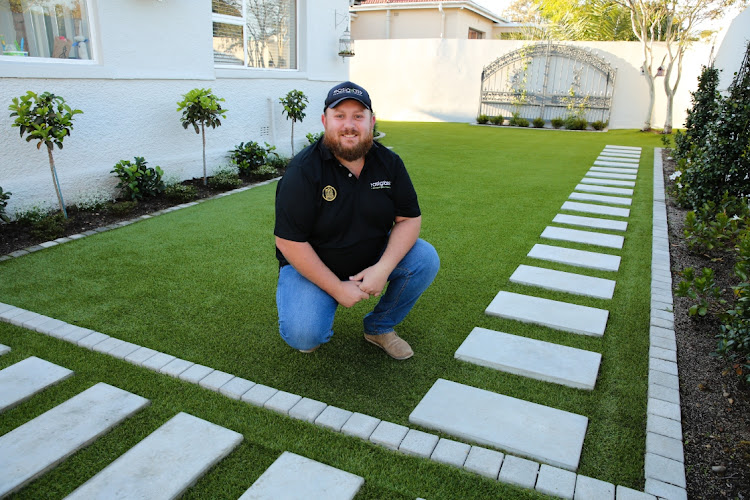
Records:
x=559, y=450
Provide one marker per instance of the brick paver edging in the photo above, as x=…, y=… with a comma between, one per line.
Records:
x=664, y=472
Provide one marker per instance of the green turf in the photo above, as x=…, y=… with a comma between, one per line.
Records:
x=199, y=284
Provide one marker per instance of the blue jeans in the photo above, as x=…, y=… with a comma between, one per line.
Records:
x=306, y=312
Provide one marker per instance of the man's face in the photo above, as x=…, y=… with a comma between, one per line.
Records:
x=348, y=130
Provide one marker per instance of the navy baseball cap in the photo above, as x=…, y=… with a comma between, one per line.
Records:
x=347, y=90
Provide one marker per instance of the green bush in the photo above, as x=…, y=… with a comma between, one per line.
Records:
x=575, y=123
x=599, y=125
x=482, y=119
x=557, y=122
x=182, y=193
x=497, y=120
x=250, y=156
x=41, y=223
x=266, y=171
x=702, y=115
x=714, y=227
x=517, y=121
x=313, y=138
x=224, y=179
x=93, y=201
x=538, y=122
x=278, y=163
x=137, y=181
x=4, y=196
x=122, y=208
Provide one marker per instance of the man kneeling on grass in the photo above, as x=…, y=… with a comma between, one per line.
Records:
x=347, y=224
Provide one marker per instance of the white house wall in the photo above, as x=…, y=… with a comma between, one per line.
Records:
x=732, y=48
x=150, y=53
x=440, y=80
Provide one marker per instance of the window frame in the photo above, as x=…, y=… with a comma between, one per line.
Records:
x=479, y=34
x=242, y=21
x=92, y=47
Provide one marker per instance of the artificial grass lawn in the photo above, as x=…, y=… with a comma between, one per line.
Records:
x=199, y=284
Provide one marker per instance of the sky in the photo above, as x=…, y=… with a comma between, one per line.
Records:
x=494, y=6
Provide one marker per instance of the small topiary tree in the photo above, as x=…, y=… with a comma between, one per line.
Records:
x=47, y=119
x=294, y=104
x=201, y=107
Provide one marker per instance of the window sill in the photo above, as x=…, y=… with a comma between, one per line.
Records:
x=258, y=73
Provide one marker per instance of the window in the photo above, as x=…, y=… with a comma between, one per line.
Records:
x=475, y=34
x=56, y=29
x=255, y=33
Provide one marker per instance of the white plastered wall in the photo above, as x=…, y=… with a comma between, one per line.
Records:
x=148, y=54
x=440, y=80
x=732, y=48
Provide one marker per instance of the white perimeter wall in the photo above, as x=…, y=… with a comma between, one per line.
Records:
x=440, y=80
x=149, y=53
x=732, y=49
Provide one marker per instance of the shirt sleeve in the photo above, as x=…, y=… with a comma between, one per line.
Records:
x=295, y=206
x=405, y=196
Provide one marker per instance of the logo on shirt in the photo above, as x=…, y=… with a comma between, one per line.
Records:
x=380, y=185
x=329, y=193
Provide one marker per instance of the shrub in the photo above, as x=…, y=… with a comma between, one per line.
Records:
x=266, y=172
x=599, y=125
x=557, y=122
x=575, y=123
x=182, y=193
x=224, y=179
x=4, y=196
x=278, y=163
x=538, y=122
x=249, y=156
x=294, y=102
x=201, y=107
x=121, y=208
x=517, y=121
x=717, y=228
x=497, y=120
x=313, y=138
x=138, y=181
x=482, y=119
x=702, y=115
x=42, y=223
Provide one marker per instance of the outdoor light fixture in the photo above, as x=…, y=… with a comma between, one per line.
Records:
x=346, y=43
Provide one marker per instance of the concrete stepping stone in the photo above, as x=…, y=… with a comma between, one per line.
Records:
x=165, y=463
x=613, y=170
x=622, y=158
x=4, y=349
x=592, y=208
x=519, y=471
x=614, y=200
x=451, y=452
x=538, y=432
x=293, y=477
x=607, y=182
x=484, y=462
x=22, y=380
x=573, y=257
x=635, y=149
x=603, y=189
x=40, y=444
x=531, y=358
x=588, y=488
x=587, y=237
x=556, y=482
x=563, y=316
x=389, y=434
x=561, y=281
x=601, y=163
x=609, y=175
x=593, y=222
x=418, y=443
x=333, y=418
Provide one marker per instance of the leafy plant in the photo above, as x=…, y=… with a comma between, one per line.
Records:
x=702, y=115
x=575, y=123
x=41, y=223
x=497, y=120
x=4, y=196
x=313, y=138
x=482, y=119
x=201, y=107
x=557, y=122
x=93, y=201
x=278, y=163
x=182, y=193
x=250, y=156
x=122, y=208
x=702, y=289
x=599, y=125
x=47, y=119
x=716, y=228
x=294, y=104
x=137, y=180
x=538, y=122
x=517, y=121
x=223, y=179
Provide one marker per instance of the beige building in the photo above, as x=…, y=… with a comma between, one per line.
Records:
x=400, y=19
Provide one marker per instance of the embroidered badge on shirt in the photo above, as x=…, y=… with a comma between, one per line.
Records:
x=329, y=193
x=380, y=185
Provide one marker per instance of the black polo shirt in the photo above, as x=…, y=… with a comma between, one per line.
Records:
x=346, y=220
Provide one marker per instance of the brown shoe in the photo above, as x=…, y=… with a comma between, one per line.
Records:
x=392, y=344
x=307, y=351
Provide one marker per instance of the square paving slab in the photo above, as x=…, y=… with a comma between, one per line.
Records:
x=561, y=281
x=593, y=222
x=613, y=200
x=572, y=318
x=590, y=188
x=539, y=432
x=573, y=257
x=165, y=463
x=587, y=237
x=38, y=445
x=293, y=477
x=592, y=208
x=531, y=358
x=22, y=380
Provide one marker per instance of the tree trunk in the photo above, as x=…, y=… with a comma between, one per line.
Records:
x=56, y=182
x=651, y=97
x=292, y=137
x=203, y=136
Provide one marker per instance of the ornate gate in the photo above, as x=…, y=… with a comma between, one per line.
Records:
x=548, y=80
